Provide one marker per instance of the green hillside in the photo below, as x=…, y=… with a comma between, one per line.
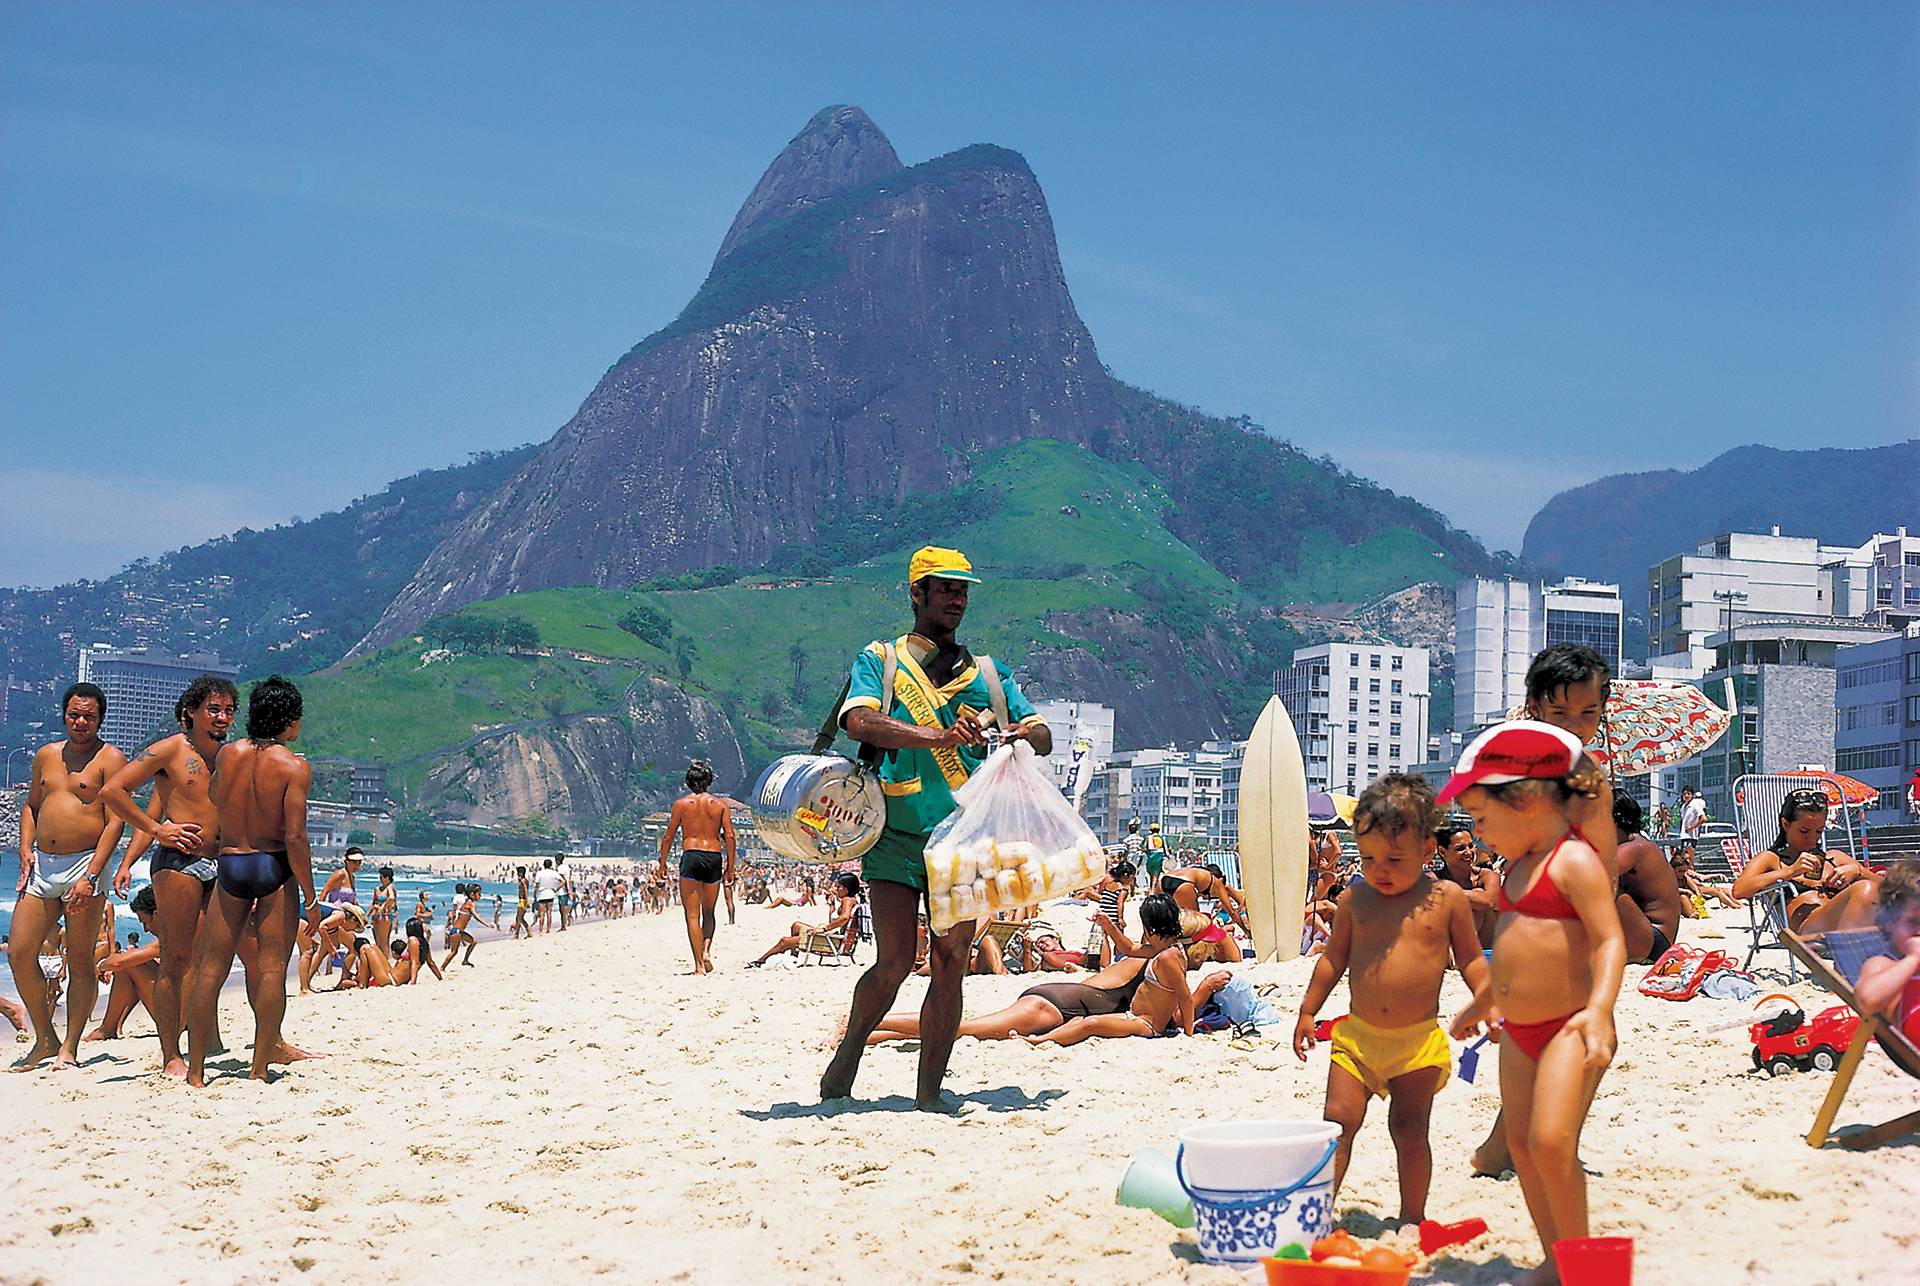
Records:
x=1056, y=530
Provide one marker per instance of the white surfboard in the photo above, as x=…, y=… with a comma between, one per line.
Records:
x=1273, y=834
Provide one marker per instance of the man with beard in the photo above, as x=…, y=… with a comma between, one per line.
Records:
x=184, y=830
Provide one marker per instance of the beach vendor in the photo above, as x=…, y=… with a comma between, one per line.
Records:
x=934, y=722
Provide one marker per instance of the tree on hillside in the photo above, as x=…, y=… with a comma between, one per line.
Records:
x=797, y=657
x=413, y=828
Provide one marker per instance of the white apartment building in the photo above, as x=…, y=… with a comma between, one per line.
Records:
x=1493, y=644
x=1360, y=710
x=1179, y=789
x=142, y=686
x=1740, y=577
x=1500, y=624
x=1878, y=582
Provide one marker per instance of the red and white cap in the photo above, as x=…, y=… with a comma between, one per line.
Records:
x=1514, y=751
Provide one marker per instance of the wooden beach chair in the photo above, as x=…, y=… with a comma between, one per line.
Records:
x=1836, y=970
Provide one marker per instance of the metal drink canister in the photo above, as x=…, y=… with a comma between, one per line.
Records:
x=819, y=808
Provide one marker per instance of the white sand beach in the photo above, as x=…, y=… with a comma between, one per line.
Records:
x=578, y=1107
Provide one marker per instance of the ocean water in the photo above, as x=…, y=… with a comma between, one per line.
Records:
x=438, y=888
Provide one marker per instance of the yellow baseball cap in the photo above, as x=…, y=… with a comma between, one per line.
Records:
x=948, y=564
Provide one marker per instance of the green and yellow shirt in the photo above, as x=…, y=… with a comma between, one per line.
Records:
x=919, y=783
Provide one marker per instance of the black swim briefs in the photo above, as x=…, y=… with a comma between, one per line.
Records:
x=702, y=866
x=248, y=876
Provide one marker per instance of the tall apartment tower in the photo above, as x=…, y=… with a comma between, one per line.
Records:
x=1360, y=710
x=142, y=686
x=1493, y=644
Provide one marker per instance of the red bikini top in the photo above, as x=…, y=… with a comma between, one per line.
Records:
x=1544, y=901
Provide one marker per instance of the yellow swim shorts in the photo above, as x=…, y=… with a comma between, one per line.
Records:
x=1376, y=1055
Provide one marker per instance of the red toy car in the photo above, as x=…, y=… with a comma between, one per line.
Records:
x=1791, y=1043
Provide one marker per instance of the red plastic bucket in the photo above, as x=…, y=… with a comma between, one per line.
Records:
x=1594, y=1261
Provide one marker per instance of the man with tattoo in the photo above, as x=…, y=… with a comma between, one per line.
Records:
x=184, y=831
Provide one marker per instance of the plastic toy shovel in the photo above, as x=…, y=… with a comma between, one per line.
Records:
x=1470, y=1058
x=1436, y=1236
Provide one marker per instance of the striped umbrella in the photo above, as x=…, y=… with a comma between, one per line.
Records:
x=1651, y=723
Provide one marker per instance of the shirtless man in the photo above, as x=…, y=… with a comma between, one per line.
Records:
x=184, y=843
x=1649, y=896
x=705, y=827
x=261, y=799
x=67, y=837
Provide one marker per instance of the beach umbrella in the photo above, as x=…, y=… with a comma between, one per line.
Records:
x=1650, y=723
x=1840, y=788
x=1327, y=810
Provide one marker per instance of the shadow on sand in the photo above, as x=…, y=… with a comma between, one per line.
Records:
x=1008, y=1098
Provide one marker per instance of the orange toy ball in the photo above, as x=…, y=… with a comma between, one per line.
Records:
x=1383, y=1259
x=1340, y=1243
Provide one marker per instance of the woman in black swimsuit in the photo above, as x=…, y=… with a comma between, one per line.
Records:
x=1041, y=1009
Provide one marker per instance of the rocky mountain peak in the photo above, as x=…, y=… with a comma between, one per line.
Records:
x=840, y=148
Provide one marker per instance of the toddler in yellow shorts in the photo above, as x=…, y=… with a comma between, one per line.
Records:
x=1393, y=936
x=1374, y=1056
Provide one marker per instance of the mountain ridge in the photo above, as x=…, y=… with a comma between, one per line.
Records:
x=1615, y=527
x=859, y=341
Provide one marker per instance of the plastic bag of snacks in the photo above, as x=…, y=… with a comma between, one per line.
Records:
x=1013, y=842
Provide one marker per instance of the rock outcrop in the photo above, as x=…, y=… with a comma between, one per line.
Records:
x=859, y=344
x=579, y=768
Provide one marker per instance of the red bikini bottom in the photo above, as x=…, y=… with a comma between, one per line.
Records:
x=1533, y=1037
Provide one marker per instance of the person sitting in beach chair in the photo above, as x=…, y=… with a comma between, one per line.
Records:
x=839, y=926
x=1885, y=963
x=1825, y=888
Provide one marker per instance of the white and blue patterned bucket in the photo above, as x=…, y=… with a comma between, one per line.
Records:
x=1282, y=1177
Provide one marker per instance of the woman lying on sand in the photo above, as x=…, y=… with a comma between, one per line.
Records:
x=1109, y=993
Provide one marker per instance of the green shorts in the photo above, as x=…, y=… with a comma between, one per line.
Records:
x=899, y=858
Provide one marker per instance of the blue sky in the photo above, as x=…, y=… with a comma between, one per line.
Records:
x=259, y=260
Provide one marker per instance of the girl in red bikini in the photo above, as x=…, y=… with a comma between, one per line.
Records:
x=1891, y=984
x=1558, y=953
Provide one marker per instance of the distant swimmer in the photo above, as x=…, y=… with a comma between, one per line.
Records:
x=705, y=827
x=184, y=830
x=260, y=795
x=67, y=837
